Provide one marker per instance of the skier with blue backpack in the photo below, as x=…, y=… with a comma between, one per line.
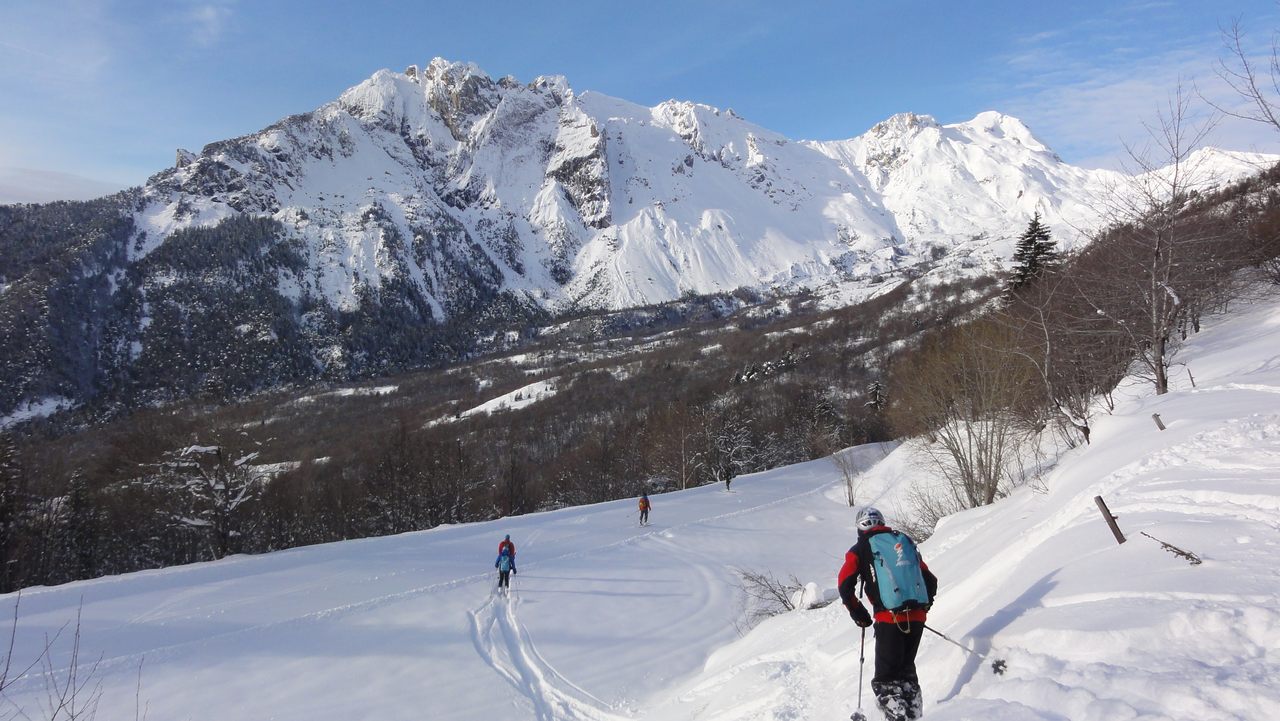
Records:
x=506, y=565
x=901, y=589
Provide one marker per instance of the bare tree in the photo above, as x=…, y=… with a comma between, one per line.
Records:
x=215, y=487
x=967, y=400
x=848, y=468
x=673, y=443
x=1259, y=87
x=70, y=693
x=1152, y=268
x=1074, y=353
x=767, y=596
x=728, y=450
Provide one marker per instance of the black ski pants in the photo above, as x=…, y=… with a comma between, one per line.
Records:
x=504, y=579
x=896, y=647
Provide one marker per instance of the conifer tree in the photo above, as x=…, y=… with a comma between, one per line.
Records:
x=1034, y=254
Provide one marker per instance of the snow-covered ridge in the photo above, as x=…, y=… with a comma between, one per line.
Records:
x=441, y=180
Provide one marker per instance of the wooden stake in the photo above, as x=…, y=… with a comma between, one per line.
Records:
x=1111, y=520
x=1156, y=417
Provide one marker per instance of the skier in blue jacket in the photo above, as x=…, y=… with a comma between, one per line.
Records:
x=506, y=565
x=898, y=633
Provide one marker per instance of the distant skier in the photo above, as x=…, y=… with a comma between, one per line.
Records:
x=901, y=589
x=508, y=546
x=506, y=565
x=644, y=509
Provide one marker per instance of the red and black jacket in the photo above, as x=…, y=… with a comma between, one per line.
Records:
x=857, y=565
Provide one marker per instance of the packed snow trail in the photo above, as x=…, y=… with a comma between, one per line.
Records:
x=395, y=627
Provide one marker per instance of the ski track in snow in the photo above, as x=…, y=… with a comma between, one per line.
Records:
x=505, y=645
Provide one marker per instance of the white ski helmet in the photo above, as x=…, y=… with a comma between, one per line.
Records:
x=869, y=518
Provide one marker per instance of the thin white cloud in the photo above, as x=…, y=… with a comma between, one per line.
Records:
x=1087, y=97
x=208, y=22
x=27, y=185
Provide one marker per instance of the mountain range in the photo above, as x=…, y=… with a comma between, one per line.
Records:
x=424, y=210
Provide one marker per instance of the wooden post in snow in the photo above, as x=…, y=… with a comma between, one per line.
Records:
x=1159, y=423
x=1111, y=520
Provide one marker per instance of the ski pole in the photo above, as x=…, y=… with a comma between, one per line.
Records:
x=862, y=658
x=997, y=665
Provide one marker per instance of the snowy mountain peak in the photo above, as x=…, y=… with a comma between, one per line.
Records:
x=453, y=73
x=582, y=199
x=1217, y=164
x=557, y=85
x=903, y=125
x=460, y=93
x=994, y=119
x=999, y=125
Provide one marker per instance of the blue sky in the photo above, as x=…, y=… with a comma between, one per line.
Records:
x=98, y=94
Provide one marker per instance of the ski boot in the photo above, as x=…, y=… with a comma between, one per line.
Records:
x=889, y=698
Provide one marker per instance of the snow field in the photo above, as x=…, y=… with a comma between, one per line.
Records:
x=602, y=615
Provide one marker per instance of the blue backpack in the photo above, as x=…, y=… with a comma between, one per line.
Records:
x=896, y=565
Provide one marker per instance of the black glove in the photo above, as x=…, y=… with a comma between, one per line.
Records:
x=859, y=614
x=513, y=569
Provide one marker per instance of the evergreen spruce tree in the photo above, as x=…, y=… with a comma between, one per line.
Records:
x=1036, y=252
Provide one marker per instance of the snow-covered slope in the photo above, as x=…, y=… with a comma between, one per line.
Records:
x=1090, y=630
x=608, y=620
x=444, y=180
x=603, y=613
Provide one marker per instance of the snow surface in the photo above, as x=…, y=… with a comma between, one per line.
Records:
x=519, y=398
x=347, y=393
x=608, y=620
x=42, y=408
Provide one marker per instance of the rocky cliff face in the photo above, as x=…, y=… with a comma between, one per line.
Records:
x=420, y=210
